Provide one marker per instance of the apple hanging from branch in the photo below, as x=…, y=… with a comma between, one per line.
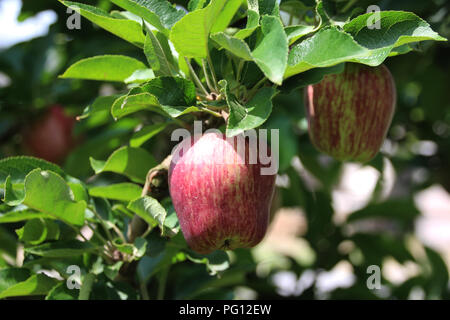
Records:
x=50, y=137
x=349, y=113
x=222, y=197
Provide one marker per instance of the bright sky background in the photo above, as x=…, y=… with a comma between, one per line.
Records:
x=12, y=31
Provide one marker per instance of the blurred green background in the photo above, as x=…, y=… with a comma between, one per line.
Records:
x=332, y=221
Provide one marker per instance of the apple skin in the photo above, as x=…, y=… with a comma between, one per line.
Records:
x=50, y=137
x=349, y=114
x=222, y=201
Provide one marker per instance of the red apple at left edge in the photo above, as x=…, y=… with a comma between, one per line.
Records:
x=50, y=137
x=221, y=199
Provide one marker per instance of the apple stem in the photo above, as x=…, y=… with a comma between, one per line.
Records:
x=195, y=77
x=208, y=82
x=213, y=72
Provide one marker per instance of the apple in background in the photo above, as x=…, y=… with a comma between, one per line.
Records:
x=349, y=114
x=50, y=137
x=222, y=200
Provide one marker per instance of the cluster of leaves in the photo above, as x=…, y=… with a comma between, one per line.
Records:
x=242, y=58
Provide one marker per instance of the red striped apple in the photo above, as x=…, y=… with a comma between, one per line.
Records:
x=222, y=198
x=349, y=114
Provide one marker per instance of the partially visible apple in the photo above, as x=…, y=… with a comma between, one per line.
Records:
x=221, y=199
x=349, y=114
x=50, y=137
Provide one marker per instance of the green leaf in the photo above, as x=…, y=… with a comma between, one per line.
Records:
x=131, y=162
x=140, y=76
x=36, y=231
x=312, y=76
x=270, y=54
x=236, y=46
x=126, y=29
x=100, y=104
x=226, y=15
x=62, y=249
x=397, y=28
x=158, y=53
x=252, y=20
x=47, y=192
x=190, y=34
x=104, y=68
x=121, y=191
x=357, y=43
x=17, y=216
x=250, y=116
x=402, y=210
x=150, y=210
x=215, y=262
x=8, y=243
x=132, y=103
x=154, y=96
x=111, y=271
x=62, y=292
x=36, y=285
x=159, y=13
x=296, y=32
x=149, y=266
x=18, y=168
x=12, y=276
x=315, y=52
x=146, y=133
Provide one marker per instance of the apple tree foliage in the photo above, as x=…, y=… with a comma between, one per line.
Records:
x=195, y=60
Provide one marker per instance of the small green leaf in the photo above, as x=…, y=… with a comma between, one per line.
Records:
x=150, y=210
x=36, y=231
x=226, y=15
x=190, y=34
x=158, y=53
x=120, y=191
x=62, y=292
x=47, y=192
x=315, y=52
x=296, y=32
x=101, y=104
x=146, y=133
x=250, y=116
x=17, y=216
x=159, y=13
x=271, y=53
x=312, y=76
x=252, y=20
x=111, y=271
x=131, y=162
x=104, y=68
x=62, y=249
x=154, y=96
x=215, y=262
x=140, y=76
x=36, y=285
x=126, y=29
x=18, y=168
x=12, y=276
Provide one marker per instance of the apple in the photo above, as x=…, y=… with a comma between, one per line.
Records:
x=50, y=137
x=221, y=199
x=349, y=114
